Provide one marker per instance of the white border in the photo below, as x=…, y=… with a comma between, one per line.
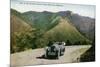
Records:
x=93, y=2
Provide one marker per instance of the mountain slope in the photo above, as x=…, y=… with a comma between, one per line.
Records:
x=43, y=19
x=40, y=20
x=65, y=31
x=20, y=34
x=85, y=25
x=18, y=24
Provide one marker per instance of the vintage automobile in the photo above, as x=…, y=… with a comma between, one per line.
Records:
x=55, y=51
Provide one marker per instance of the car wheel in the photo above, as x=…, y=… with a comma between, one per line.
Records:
x=58, y=54
x=46, y=54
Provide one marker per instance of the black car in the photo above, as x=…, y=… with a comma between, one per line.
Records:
x=55, y=51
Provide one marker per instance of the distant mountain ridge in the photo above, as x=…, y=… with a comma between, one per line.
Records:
x=85, y=25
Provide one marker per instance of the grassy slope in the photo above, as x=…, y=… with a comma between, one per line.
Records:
x=40, y=20
x=18, y=24
x=55, y=30
x=19, y=31
x=65, y=31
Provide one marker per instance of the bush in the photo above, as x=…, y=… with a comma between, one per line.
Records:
x=68, y=43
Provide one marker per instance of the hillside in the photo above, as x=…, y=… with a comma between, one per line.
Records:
x=20, y=30
x=65, y=31
x=85, y=25
x=42, y=20
x=18, y=25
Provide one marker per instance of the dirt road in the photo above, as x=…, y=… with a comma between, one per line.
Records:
x=33, y=57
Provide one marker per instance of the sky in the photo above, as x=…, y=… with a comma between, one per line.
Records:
x=24, y=6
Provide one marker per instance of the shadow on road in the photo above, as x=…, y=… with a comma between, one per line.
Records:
x=43, y=57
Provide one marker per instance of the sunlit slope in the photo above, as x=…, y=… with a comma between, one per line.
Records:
x=65, y=31
x=18, y=25
x=20, y=33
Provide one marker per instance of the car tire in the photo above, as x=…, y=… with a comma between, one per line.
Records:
x=46, y=54
x=58, y=54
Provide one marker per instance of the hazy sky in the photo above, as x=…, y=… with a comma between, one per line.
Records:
x=23, y=6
